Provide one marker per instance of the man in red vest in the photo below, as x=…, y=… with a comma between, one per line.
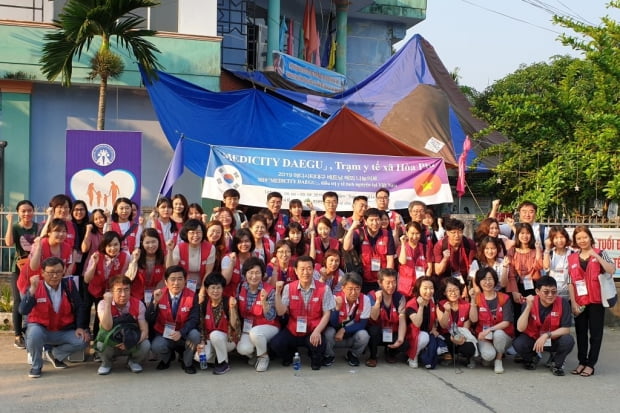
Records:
x=545, y=323
x=123, y=327
x=308, y=304
x=56, y=317
x=174, y=315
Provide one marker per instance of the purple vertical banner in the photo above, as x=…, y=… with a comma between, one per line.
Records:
x=103, y=166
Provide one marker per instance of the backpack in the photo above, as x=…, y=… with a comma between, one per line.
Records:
x=125, y=330
x=351, y=261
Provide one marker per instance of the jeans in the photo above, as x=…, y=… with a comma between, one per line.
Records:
x=63, y=343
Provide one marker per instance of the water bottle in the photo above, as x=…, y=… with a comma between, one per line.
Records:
x=203, y=360
x=297, y=364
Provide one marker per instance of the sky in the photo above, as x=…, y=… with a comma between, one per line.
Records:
x=489, y=39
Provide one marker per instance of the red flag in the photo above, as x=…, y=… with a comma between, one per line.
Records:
x=460, y=183
x=311, y=35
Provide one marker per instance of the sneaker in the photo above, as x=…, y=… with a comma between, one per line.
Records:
x=442, y=350
x=104, y=370
x=328, y=360
x=221, y=368
x=34, y=373
x=412, y=363
x=557, y=371
x=134, y=367
x=19, y=342
x=262, y=363
x=55, y=362
x=499, y=367
x=351, y=359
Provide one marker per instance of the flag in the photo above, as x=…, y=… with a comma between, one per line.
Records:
x=290, y=40
x=460, y=183
x=311, y=35
x=175, y=170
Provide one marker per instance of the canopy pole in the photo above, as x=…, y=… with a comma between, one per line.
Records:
x=341, y=35
x=273, y=31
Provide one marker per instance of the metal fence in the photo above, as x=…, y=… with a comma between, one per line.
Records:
x=7, y=254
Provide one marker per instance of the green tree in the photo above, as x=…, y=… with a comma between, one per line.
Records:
x=80, y=22
x=563, y=118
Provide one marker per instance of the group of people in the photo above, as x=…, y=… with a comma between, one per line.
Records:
x=183, y=283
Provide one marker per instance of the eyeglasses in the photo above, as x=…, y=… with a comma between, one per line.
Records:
x=548, y=292
x=194, y=232
x=215, y=287
x=121, y=290
x=55, y=273
x=453, y=291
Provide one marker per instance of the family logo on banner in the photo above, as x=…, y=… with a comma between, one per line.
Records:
x=306, y=176
x=103, y=166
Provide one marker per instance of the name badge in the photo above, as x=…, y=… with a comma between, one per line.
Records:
x=375, y=264
x=191, y=284
x=387, y=335
x=419, y=271
x=302, y=325
x=169, y=330
x=148, y=296
x=528, y=284
x=548, y=342
x=581, y=288
x=247, y=325
x=558, y=275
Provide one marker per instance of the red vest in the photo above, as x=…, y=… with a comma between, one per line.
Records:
x=406, y=273
x=395, y=219
x=462, y=316
x=66, y=250
x=313, y=311
x=140, y=283
x=388, y=318
x=342, y=313
x=412, y=331
x=164, y=315
x=280, y=226
x=255, y=312
x=235, y=279
x=99, y=284
x=333, y=282
x=552, y=322
x=486, y=317
x=43, y=311
x=589, y=276
x=210, y=320
x=378, y=251
x=134, y=308
x=266, y=250
x=162, y=238
x=287, y=276
x=318, y=247
x=205, y=251
x=129, y=243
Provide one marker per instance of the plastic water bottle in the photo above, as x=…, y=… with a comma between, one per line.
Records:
x=297, y=364
x=203, y=360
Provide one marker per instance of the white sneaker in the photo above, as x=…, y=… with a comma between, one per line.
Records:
x=262, y=364
x=103, y=370
x=499, y=367
x=134, y=367
x=413, y=363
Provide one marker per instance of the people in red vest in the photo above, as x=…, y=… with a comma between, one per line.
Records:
x=584, y=269
x=491, y=310
x=374, y=245
x=454, y=322
x=55, y=317
x=421, y=318
x=174, y=316
x=545, y=323
x=124, y=330
x=328, y=271
x=323, y=241
x=196, y=254
x=413, y=259
x=256, y=302
x=454, y=253
x=387, y=325
x=281, y=268
x=219, y=323
x=122, y=222
x=347, y=326
x=382, y=197
x=147, y=266
x=280, y=220
x=308, y=304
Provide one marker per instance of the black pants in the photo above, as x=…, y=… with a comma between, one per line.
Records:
x=591, y=320
x=466, y=349
x=376, y=339
x=17, y=299
x=284, y=345
x=560, y=346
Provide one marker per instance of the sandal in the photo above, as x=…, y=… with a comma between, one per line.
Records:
x=578, y=369
x=585, y=373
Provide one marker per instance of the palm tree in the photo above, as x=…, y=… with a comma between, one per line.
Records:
x=83, y=20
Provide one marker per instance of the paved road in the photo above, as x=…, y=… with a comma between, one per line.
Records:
x=340, y=388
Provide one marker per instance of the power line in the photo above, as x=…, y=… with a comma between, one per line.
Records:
x=511, y=17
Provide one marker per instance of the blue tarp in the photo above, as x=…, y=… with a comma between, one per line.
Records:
x=246, y=117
